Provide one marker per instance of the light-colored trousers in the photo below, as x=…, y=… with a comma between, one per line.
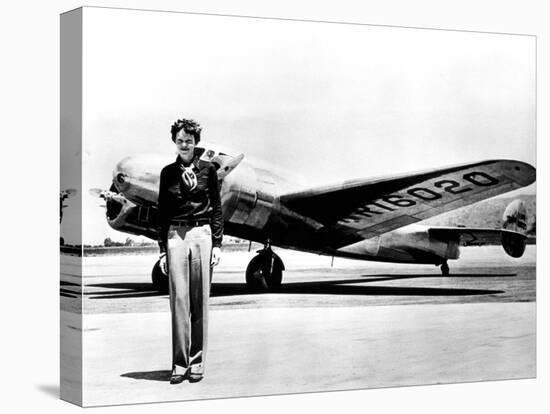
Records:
x=189, y=251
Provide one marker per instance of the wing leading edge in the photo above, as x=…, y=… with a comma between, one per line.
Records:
x=362, y=209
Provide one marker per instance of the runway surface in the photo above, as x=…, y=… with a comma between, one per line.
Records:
x=118, y=284
x=355, y=325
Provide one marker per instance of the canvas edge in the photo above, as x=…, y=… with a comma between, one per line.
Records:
x=71, y=358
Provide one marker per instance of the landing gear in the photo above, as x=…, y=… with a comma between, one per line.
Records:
x=265, y=271
x=445, y=268
x=159, y=278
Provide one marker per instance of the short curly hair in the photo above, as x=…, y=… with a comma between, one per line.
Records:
x=190, y=126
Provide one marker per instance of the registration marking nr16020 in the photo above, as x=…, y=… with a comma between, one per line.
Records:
x=417, y=194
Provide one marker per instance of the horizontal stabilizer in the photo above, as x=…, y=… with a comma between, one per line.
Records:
x=512, y=242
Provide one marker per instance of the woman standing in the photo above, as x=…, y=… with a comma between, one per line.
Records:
x=190, y=236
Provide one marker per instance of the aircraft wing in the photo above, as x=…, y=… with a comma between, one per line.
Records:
x=362, y=209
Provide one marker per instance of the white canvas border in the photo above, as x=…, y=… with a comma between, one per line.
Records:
x=491, y=16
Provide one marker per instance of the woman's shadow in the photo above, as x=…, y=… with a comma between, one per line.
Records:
x=150, y=375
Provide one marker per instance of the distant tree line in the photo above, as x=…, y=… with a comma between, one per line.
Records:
x=108, y=242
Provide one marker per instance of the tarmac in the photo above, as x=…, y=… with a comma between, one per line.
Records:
x=354, y=325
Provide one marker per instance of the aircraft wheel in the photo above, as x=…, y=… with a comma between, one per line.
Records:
x=264, y=272
x=445, y=269
x=160, y=280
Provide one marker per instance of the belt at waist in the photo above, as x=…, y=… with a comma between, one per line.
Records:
x=190, y=223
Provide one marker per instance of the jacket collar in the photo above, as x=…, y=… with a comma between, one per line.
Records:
x=194, y=162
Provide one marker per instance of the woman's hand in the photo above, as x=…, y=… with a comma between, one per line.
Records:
x=216, y=256
x=162, y=263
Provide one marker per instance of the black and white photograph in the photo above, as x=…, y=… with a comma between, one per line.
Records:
x=262, y=206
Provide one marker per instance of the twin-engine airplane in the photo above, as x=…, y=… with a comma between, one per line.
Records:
x=368, y=219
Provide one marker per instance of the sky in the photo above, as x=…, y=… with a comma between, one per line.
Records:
x=329, y=102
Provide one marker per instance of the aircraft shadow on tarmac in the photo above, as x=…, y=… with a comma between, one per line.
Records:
x=329, y=287
x=123, y=290
x=69, y=289
x=352, y=287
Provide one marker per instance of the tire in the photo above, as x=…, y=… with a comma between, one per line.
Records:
x=445, y=269
x=160, y=280
x=264, y=273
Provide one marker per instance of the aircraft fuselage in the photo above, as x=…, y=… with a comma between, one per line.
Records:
x=253, y=211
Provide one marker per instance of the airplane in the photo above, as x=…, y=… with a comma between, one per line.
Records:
x=372, y=219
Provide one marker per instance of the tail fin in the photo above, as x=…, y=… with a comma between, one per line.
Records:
x=514, y=220
x=515, y=217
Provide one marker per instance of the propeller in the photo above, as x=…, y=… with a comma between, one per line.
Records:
x=96, y=192
x=99, y=193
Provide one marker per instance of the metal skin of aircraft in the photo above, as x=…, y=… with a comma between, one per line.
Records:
x=368, y=219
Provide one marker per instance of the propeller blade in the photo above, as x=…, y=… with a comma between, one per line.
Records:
x=96, y=192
